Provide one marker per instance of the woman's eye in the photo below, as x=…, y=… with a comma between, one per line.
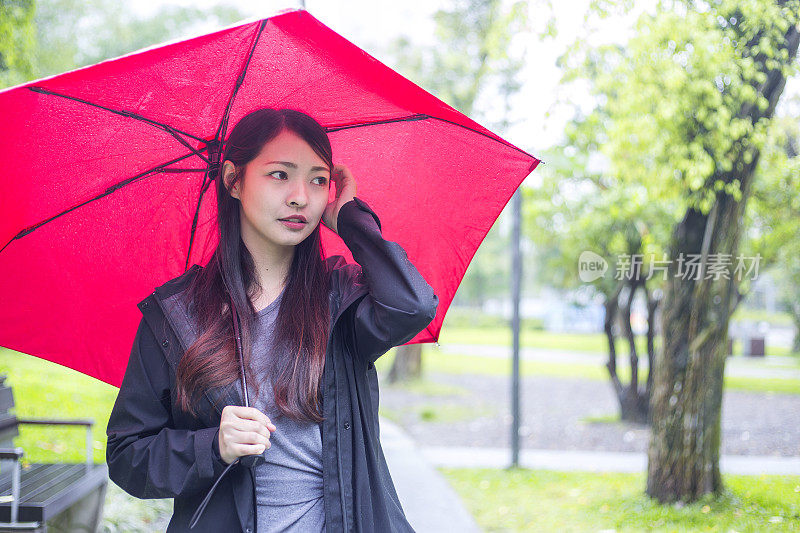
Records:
x=322, y=180
x=277, y=172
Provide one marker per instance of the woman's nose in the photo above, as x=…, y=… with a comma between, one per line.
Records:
x=298, y=195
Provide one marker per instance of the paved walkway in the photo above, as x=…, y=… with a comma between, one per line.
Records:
x=430, y=504
x=595, y=461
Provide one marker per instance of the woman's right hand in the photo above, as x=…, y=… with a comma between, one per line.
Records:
x=243, y=431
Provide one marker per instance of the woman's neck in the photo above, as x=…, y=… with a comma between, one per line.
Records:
x=271, y=273
x=272, y=264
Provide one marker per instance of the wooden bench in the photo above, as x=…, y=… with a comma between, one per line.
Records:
x=63, y=496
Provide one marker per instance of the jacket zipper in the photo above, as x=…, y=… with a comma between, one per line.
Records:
x=339, y=313
x=338, y=451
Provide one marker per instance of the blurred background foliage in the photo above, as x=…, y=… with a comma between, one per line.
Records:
x=623, y=171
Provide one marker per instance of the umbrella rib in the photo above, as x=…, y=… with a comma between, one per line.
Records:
x=203, y=189
x=411, y=118
x=428, y=329
x=213, y=161
x=176, y=133
x=422, y=116
x=501, y=141
x=109, y=190
x=223, y=124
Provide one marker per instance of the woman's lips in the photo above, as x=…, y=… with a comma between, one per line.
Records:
x=293, y=224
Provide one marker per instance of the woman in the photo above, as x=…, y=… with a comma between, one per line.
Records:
x=305, y=330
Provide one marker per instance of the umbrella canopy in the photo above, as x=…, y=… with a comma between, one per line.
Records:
x=107, y=191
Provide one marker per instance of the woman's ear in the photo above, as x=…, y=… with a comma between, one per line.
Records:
x=228, y=173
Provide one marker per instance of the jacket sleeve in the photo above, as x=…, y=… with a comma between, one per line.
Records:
x=400, y=303
x=146, y=457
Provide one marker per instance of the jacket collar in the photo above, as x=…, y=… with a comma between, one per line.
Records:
x=173, y=300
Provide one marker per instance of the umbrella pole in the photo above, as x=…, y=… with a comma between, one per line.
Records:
x=516, y=278
x=238, y=337
x=247, y=460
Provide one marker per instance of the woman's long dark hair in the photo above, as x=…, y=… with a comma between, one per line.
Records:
x=303, y=317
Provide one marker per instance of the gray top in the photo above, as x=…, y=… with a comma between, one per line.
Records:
x=289, y=482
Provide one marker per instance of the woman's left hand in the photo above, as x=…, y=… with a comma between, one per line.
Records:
x=345, y=191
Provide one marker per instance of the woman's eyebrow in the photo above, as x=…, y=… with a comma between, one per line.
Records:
x=292, y=165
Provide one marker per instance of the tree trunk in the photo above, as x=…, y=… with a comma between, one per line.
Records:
x=684, y=447
x=683, y=456
x=795, y=310
x=653, y=300
x=407, y=363
x=633, y=401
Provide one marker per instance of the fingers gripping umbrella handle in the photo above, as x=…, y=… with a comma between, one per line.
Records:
x=247, y=460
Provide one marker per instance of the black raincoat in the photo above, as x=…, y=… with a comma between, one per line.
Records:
x=156, y=450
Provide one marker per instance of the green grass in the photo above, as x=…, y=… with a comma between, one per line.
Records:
x=531, y=338
x=426, y=387
x=444, y=413
x=47, y=390
x=542, y=500
x=601, y=419
x=774, y=385
x=781, y=318
x=395, y=415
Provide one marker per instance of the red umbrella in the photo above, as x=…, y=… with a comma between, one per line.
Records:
x=107, y=195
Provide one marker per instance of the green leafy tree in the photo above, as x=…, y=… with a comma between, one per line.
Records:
x=72, y=34
x=686, y=108
x=577, y=211
x=17, y=41
x=772, y=215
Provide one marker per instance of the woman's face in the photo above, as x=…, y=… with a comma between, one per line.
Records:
x=287, y=178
